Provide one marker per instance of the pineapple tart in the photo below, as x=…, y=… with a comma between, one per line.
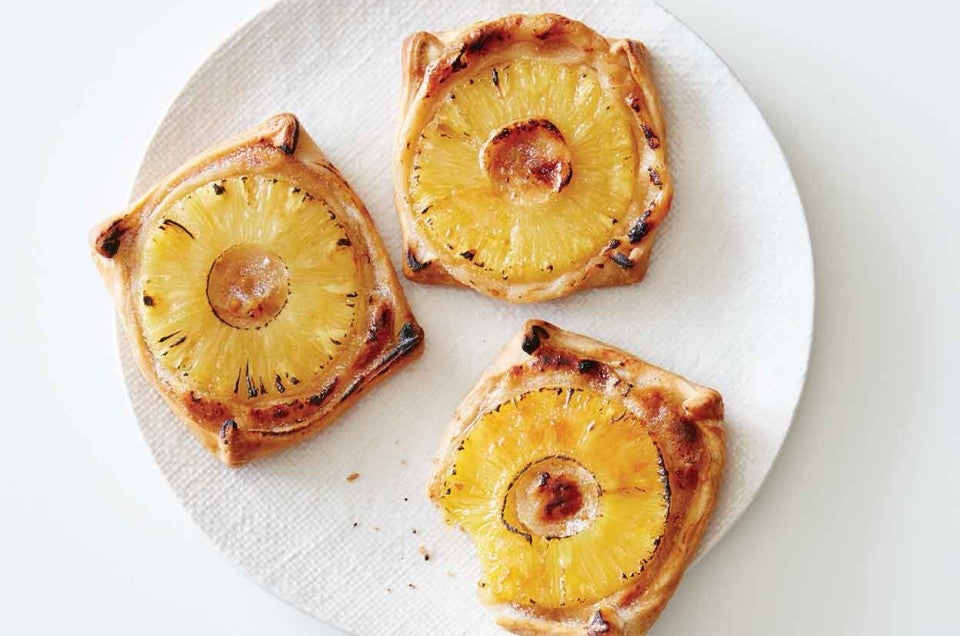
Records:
x=256, y=292
x=531, y=160
x=585, y=477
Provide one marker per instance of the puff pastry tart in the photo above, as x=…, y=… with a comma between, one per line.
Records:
x=531, y=159
x=256, y=292
x=585, y=477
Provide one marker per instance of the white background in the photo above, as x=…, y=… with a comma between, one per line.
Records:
x=855, y=531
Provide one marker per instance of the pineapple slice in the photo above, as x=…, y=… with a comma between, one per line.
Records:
x=531, y=160
x=575, y=488
x=274, y=291
x=256, y=292
x=585, y=477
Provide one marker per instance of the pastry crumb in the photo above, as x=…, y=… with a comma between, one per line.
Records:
x=353, y=476
x=411, y=586
x=423, y=551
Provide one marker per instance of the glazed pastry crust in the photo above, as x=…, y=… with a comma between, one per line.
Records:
x=430, y=60
x=684, y=420
x=234, y=429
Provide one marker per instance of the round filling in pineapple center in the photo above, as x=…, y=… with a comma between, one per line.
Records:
x=528, y=160
x=554, y=497
x=247, y=286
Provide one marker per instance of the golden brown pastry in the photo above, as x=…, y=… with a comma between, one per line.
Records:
x=256, y=293
x=585, y=477
x=531, y=159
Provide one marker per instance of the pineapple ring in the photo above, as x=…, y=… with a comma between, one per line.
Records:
x=531, y=159
x=555, y=482
x=585, y=477
x=253, y=286
x=256, y=292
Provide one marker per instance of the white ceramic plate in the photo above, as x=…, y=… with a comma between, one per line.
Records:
x=728, y=302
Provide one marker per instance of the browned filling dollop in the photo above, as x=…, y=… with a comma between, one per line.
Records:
x=560, y=497
x=554, y=497
x=247, y=286
x=528, y=159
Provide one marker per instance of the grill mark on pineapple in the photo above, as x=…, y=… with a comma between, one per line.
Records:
x=218, y=189
x=148, y=300
x=251, y=387
x=179, y=342
x=278, y=382
x=495, y=76
x=171, y=223
x=168, y=336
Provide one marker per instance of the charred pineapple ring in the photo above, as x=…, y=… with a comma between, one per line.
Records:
x=585, y=477
x=531, y=158
x=256, y=292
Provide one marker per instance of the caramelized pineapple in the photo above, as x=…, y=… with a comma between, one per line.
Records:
x=563, y=493
x=249, y=286
x=531, y=158
x=526, y=168
x=256, y=292
x=585, y=478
